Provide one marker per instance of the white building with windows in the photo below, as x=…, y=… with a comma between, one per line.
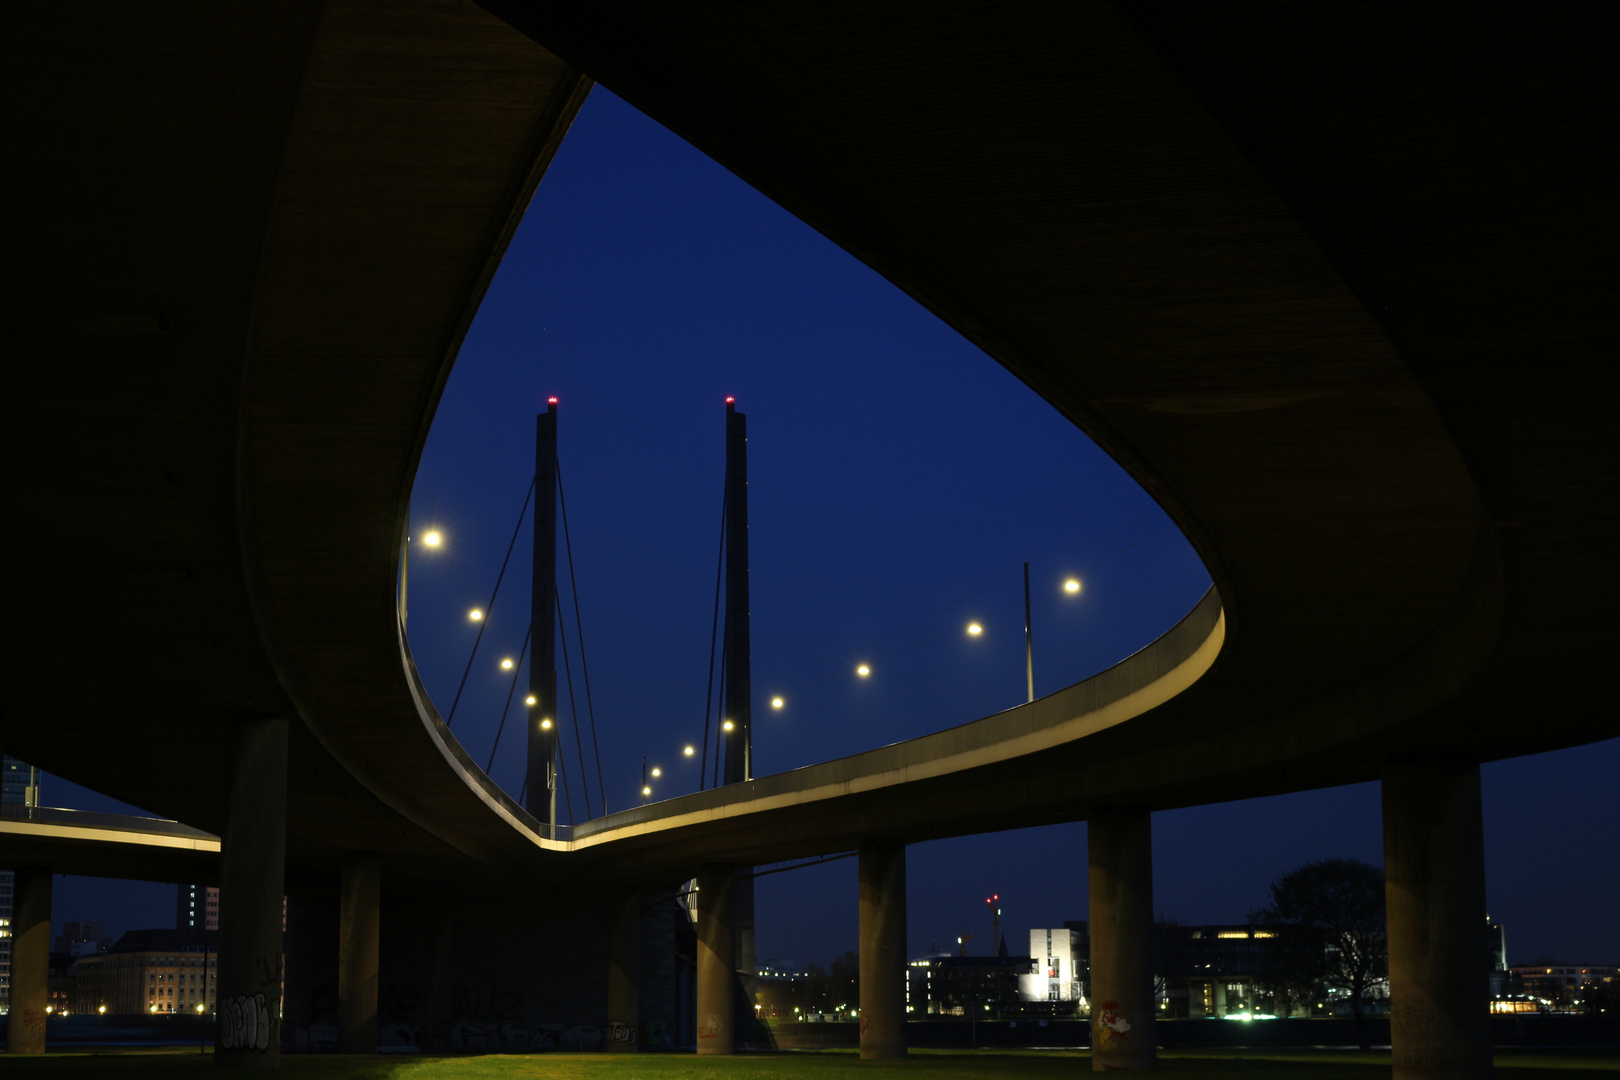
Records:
x=1057, y=969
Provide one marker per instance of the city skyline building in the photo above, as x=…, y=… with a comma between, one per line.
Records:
x=19, y=786
x=196, y=907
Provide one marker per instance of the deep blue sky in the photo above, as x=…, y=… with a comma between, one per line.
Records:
x=898, y=478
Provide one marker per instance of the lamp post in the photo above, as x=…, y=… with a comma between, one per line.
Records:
x=1070, y=586
x=1029, y=641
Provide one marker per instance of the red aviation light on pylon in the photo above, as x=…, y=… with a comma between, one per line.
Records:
x=731, y=401
x=551, y=401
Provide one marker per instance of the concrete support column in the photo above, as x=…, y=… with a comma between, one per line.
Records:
x=716, y=977
x=1121, y=882
x=30, y=960
x=359, y=934
x=624, y=973
x=252, y=872
x=1434, y=894
x=883, y=948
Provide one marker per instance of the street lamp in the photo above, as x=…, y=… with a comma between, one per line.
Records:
x=430, y=539
x=974, y=629
x=777, y=703
x=1070, y=586
x=863, y=671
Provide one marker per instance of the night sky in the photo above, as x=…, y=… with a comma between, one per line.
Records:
x=899, y=478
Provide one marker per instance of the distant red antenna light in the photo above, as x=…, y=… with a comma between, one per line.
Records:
x=731, y=401
x=551, y=401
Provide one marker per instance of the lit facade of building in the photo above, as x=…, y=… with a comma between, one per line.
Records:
x=149, y=971
x=196, y=907
x=1059, y=967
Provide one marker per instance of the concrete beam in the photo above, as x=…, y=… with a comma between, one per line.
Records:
x=359, y=931
x=1434, y=894
x=252, y=884
x=883, y=948
x=1121, y=882
x=716, y=952
x=30, y=960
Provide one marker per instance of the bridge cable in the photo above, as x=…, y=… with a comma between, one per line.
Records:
x=579, y=636
x=516, y=671
x=579, y=744
x=491, y=607
x=714, y=632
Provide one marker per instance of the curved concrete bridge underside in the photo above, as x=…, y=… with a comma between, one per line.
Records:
x=1325, y=279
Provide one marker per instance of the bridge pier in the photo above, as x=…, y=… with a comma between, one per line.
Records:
x=1434, y=896
x=1121, y=884
x=30, y=959
x=883, y=948
x=624, y=974
x=359, y=933
x=252, y=864
x=716, y=960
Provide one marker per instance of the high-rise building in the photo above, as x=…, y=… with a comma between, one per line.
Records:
x=84, y=938
x=196, y=907
x=1059, y=970
x=19, y=786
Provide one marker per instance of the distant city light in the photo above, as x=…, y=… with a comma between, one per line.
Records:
x=777, y=703
x=863, y=671
x=432, y=538
x=1072, y=585
x=530, y=700
x=688, y=750
x=975, y=629
x=506, y=663
x=727, y=726
x=475, y=615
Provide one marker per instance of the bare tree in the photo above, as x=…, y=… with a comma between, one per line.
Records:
x=1329, y=917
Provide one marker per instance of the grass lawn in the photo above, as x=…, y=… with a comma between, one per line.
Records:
x=921, y=1065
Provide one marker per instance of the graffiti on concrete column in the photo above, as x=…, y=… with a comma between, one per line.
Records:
x=1108, y=1028
x=655, y=1035
x=244, y=1023
x=621, y=1034
x=33, y=1024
